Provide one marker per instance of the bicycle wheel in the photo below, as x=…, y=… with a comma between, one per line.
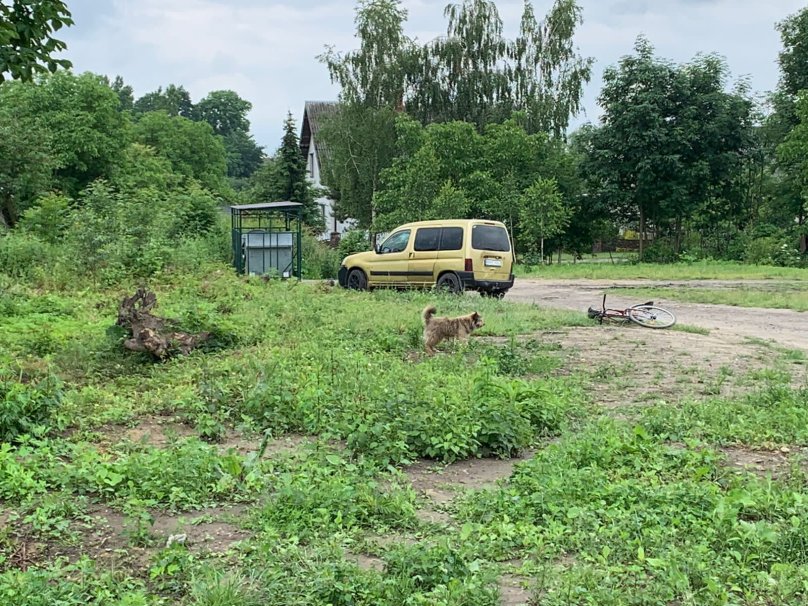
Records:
x=651, y=317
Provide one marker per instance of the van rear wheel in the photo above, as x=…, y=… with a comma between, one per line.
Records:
x=450, y=282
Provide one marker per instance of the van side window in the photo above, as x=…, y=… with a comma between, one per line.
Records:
x=451, y=238
x=427, y=238
x=396, y=243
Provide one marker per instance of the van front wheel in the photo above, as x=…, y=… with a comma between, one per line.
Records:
x=357, y=280
x=450, y=282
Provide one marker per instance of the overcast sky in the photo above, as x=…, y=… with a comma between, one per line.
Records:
x=266, y=50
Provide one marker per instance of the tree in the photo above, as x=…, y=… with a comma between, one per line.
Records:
x=26, y=42
x=175, y=101
x=361, y=143
x=191, y=147
x=671, y=138
x=26, y=164
x=125, y=93
x=226, y=113
x=283, y=178
x=543, y=214
x=477, y=75
x=793, y=156
x=80, y=114
x=374, y=75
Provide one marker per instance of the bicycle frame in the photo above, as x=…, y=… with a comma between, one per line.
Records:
x=611, y=314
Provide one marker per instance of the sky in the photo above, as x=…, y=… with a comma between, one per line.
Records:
x=266, y=50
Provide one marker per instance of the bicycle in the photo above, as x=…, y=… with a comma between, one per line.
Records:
x=645, y=314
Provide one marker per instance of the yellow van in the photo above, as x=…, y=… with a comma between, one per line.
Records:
x=454, y=255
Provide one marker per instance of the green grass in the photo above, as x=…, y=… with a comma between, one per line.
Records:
x=700, y=270
x=605, y=513
x=779, y=296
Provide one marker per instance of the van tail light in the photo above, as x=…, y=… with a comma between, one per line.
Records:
x=469, y=265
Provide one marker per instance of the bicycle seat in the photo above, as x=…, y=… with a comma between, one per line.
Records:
x=593, y=313
x=647, y=304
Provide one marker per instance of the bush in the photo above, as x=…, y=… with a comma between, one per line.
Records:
x=25, y=406
x=320, y=261
x=353, y=241
x=22, y=255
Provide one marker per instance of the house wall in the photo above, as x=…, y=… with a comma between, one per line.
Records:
x=326, y=204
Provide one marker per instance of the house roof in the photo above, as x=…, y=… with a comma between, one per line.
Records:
x=313, y=115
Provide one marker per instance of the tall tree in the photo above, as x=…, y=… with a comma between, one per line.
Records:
x=361, y=142
x=226, y=112
x=192, y=147
x=174, y=100
x=543, y=213
x=87, y=132
x=27, y=44
x=671, y=138
x=26, y=162
x=374, y=75
x=477, y=75
x=284, y=178
x=793, y=157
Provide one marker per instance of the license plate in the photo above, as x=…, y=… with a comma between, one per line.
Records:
x=493, y=263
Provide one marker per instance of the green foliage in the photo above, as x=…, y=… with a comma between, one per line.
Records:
x=27, y=407
x=353, y=241
x=326, y=494
x=26, y=160
x=775, y=414
x=439, y=574
x=320, y=261
x=660, y=153
x=26, y=42
x=473, y=74
x=74, y=584
x=136, y=232
x=284, y=178
x=86, y=132
x=49, y=219
x=644, y=521
x=175, y=101
x=543, y=214
x=452, y=171
x=192, y=148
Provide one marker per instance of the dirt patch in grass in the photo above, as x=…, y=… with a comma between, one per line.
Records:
x=774, y=463
x=631, y=366
x=439, y=484
x=106, y=536
x=512, y=591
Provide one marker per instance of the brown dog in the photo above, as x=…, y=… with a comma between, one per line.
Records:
x=438, y=329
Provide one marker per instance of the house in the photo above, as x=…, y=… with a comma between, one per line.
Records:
x=316, y=155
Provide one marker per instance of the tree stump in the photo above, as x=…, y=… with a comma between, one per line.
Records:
x=150, y=333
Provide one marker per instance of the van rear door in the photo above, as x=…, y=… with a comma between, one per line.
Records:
x=493, y=257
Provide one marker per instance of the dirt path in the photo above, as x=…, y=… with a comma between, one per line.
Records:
x=785, y=327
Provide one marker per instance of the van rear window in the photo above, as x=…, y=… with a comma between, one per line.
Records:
x=490, y=237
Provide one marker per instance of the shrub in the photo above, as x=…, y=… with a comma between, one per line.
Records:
x=25, y=406
x=353, y=241
x=320, y=261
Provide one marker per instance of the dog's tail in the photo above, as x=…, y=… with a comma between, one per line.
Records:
x=429, y=311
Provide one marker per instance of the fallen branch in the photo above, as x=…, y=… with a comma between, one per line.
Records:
x=150, y=333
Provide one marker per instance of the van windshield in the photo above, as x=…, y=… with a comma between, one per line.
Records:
x=490, y=237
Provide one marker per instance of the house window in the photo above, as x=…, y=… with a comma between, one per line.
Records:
x=322, y=208
x=311, y=164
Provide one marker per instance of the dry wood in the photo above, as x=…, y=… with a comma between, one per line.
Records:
x=150, y=333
